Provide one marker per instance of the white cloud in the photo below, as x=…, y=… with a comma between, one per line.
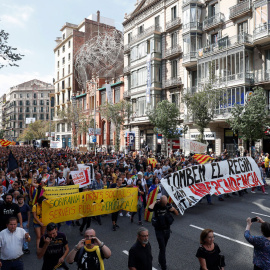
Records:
x=10, y=79
x=16, y=15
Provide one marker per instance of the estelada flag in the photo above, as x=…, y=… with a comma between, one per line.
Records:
x=202, y=158
x=153, y=162
x=151, y=198
x=5, y=143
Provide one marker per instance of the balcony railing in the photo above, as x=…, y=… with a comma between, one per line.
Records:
x=126, y=47
x=261, y=76
x=173, y=51
x=224, y=43
x=127, y=69
x=261, y=31
x=126, y=94
x=148, y=31
x=192, y=26
x=190, y=57
x=187, y=2
x=172, y=82
x=213, y=21
x=173, y=23
x=240, y=9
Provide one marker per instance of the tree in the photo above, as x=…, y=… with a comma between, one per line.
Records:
x=36, y=130
x=116, y=113
x=7, y=53
x=251, y=120
x=202, y=105
x=76, y=118
x=165, y=118
x=2, y=133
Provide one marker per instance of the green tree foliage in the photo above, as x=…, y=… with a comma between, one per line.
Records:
x=36, y=130
x=7, y=53
x=165, y=118
x=251, y=120
x=2, y=133
x=116, y=114
x=202, y=105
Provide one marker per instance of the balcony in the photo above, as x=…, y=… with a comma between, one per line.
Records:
x=126, y=95
x=172, y=82
x=127, y=69
x=147, y=32
x=190, y=59
x=240, y=9
x=192, y=26
x=261, y=33
x=126, y=48
x=213, y=22
x=261, y=76
x=187, y=2
x=225, y=43
x=172, y=52
x=171, y=25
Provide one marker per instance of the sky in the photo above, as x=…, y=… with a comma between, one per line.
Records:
x=33, y=26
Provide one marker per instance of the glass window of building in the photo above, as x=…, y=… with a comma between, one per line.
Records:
x=173, y=13
x=117, y=94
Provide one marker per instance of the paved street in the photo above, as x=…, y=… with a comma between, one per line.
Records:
x=226, y=218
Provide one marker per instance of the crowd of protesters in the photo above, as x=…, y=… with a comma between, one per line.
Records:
x=21, y=193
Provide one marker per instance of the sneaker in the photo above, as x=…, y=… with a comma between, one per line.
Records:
x=253, y=191
x=221, y=199
x=140, y=223
x=265, y=193
x=26, y=251
x=114, y=228
x=128, y=214
x=121, y=214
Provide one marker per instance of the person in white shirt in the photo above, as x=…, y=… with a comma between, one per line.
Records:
x=66, y=171
x=165, y=167
x=11, y=242
x=158, y=171
x=60, y=180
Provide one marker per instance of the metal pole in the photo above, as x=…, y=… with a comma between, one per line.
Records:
x=95, y=83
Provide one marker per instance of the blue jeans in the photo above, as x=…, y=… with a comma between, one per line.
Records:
x=12, y=265
x=139, y=213
x=25, y=244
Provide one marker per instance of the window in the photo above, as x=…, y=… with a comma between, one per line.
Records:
x=64, y=36
x=174, y=39
x=58, y=64
x=21, y=95
x=104, y=133
x=58, y=128
x=174, y=68
x=175, y=99
x=63, y=60
x=35, y=109
x=14, y=95
x=173, y=13
x=103, y=97
x=63, y=127
x=68, y=69
x=21, y=103
x=41, y=117
x=57, y=75
x=47, y=116
x=63, y=97
x=35, y=116
x=69, y=82
x=111, y=133
x=267, y=61
x=35, y=95
x=27, y=102
x=69, y=43
x=243, y=27
x=41, y=109
x=69, y=56
x=47, y=102
x=141, y=50
x=129, y=37
x=20, y=109
x=141, y=29
x=34, y=102
x=157, y=22
x=63, y=72
x=27, y=95
x=117, y=94
x=63, y=49
x=214, y=38
x=58, y=52
x=41, y=102
x=20, y=124
x=142, y=73
x=27, y=109
x=20, y=117
x=63, y=84
x=58, y=87
x=69, y=127
x=27, y=115
x=212, y=10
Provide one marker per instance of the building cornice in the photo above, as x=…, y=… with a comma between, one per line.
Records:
x=63, y=42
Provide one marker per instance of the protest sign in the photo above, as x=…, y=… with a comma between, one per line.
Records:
x=90, y=168
x=186, y=187
x=52, y=192
x=81, y=178
x=192, y=146
x=110, y=161
x=89, y=203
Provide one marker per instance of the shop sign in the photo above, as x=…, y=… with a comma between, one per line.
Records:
x=207, y=136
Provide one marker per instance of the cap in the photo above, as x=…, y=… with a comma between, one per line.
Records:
x=140, y=173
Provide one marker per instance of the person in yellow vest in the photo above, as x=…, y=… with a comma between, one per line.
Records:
x=89, y=253
x=266, y=165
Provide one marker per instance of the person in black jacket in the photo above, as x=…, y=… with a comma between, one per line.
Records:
x=162, y=210
x=140, y=255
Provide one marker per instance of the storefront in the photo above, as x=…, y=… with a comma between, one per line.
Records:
x=230, y=141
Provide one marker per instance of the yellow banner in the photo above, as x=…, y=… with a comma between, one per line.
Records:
x=53, y=192
x=89, y=203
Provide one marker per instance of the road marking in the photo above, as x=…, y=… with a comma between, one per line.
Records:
x=126, y=252
x=259, y=214
x=225, y=237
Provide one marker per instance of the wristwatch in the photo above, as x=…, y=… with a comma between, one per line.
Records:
x=102, y=244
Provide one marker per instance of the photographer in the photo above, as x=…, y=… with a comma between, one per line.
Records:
x=53, y=247
x=261, y=258
x=89, y=252
x=162, y=222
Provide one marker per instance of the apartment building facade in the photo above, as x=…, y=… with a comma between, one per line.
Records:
x=73, y=36
x=27, y=100
x=185, y=38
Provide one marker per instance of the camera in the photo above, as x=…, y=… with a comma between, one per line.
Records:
x=254, y=219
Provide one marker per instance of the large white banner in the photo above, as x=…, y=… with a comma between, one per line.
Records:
x=193, y=146
x=80, y=178
x=186, y=187
x=55, y=144
x=89, y=168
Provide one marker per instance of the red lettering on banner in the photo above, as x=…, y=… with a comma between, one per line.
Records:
x=228, y=186
x=216, y=185
x=199, y=189
x=255, y=180
x=245, y=179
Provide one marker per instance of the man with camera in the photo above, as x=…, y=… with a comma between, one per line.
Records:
x=89, y=253
x=54, y=248
x=162, y=221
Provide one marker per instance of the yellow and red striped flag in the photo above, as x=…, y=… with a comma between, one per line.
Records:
x=202, y=158
x=5, y=143
x=151, y=198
